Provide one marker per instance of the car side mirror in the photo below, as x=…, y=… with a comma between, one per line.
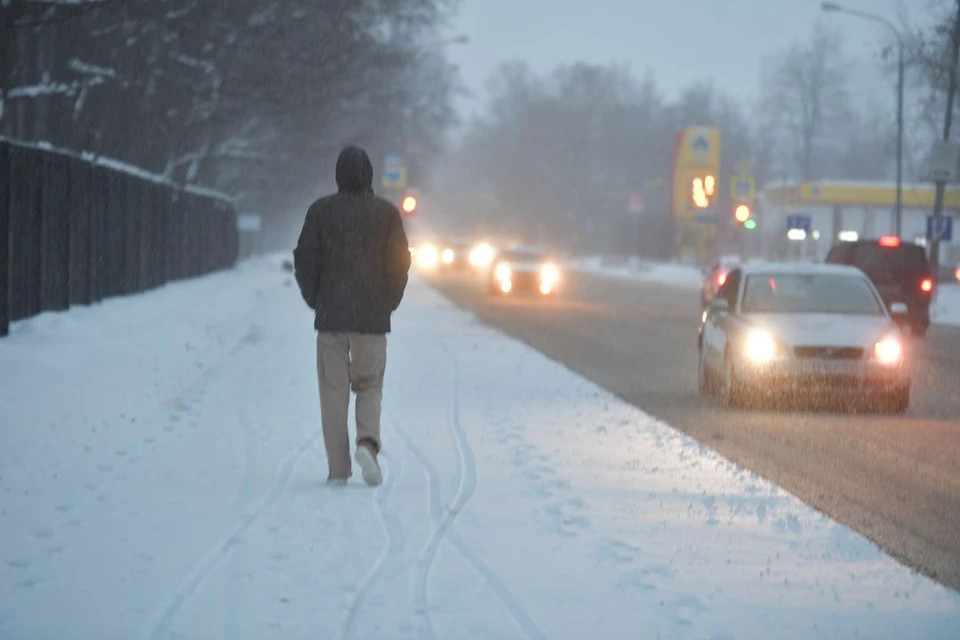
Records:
x=719, y=305
x=899, y=309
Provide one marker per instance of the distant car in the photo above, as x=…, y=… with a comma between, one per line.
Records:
x=795, y=330
x=455, y=256
x=714, y=276
x=900, y=272
x=524, y=270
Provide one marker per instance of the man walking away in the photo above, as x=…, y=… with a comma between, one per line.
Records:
x=352, y=262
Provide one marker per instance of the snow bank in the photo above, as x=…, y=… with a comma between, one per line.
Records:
x=678, y=275
x=161, y=474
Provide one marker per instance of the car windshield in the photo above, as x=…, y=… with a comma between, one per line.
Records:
x=810, y=293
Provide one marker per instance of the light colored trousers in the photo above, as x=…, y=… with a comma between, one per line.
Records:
x=345, y=361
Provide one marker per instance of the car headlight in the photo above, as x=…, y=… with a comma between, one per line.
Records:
x=481, y=255
x=549, y=274
x=447, y=256
x=428, y=256
x=503, y=272
x=888, y=351
x=759, y=347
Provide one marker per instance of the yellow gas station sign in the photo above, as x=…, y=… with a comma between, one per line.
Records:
x=696, y=189
x=696, y=170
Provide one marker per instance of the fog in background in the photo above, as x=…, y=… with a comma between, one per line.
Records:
x=531, y=118
x=573, y=105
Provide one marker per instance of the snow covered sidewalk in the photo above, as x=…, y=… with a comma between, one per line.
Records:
x=162, y=476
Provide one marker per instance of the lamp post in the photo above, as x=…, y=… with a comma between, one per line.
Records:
x=832, y=7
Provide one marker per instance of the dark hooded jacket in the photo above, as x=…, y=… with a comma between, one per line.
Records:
x=352, y=260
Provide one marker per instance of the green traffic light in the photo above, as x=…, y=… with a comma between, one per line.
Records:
x=750, y=224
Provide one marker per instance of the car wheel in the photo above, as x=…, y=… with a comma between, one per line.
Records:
x=730, y=392
x=703, y=375
x=897, y=401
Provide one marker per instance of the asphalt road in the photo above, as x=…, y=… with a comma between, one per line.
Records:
x=894, y=479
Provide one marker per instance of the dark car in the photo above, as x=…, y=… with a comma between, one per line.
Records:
x=900, y=272
x=714, y=276
x=524, y=269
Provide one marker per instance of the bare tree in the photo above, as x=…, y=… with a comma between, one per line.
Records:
x=805, y=98
x=242, y=95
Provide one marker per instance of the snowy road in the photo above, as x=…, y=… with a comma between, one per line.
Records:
x=161, y=476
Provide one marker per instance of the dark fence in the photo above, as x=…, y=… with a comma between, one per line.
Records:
x=73, y=232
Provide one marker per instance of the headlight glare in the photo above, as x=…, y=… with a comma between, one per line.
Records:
x=888, y=351
x=549, y=274
x=759, y=347
x=503, y=272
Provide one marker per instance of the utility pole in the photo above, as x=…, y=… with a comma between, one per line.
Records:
x=947, y=122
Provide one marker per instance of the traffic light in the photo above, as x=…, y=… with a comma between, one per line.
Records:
x=409, y=204
x=702, y=189
x=742, y=213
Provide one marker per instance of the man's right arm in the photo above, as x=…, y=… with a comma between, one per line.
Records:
x=306, y=259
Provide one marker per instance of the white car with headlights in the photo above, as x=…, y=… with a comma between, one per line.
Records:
x=524, y=270
x=804, y=330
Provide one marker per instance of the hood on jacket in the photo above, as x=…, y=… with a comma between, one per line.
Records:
x=354, y=171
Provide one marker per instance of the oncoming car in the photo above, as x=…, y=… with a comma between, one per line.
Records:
x=794, y=331
x=454, y=255
x=524, y=270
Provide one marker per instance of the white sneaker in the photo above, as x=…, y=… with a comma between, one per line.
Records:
x=367, y=460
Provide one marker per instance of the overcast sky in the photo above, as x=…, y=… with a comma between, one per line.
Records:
x=681, y=41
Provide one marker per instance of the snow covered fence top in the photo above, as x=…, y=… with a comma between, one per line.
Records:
x=82, y=229
x=122, y=167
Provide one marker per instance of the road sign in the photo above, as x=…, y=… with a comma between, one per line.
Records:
x=800, y=221
x=742, y=187
x=945, y=160
x=636, y=202
x=394, y=172
x=249, y=222
x=940, y=228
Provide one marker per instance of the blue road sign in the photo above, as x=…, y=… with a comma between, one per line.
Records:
x=940, y=228
x=800, y=221
x=393, y=170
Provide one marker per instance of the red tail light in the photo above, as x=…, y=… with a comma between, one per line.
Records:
x=926, y=285
x=889, y=241
x=721, y=278
x=957, y=274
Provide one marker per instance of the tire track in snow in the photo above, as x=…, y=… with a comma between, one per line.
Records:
x=393, y=544
x=467, y=486
x=158, y=625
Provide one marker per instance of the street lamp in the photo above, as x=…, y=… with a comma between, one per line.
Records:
x=833, y=7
